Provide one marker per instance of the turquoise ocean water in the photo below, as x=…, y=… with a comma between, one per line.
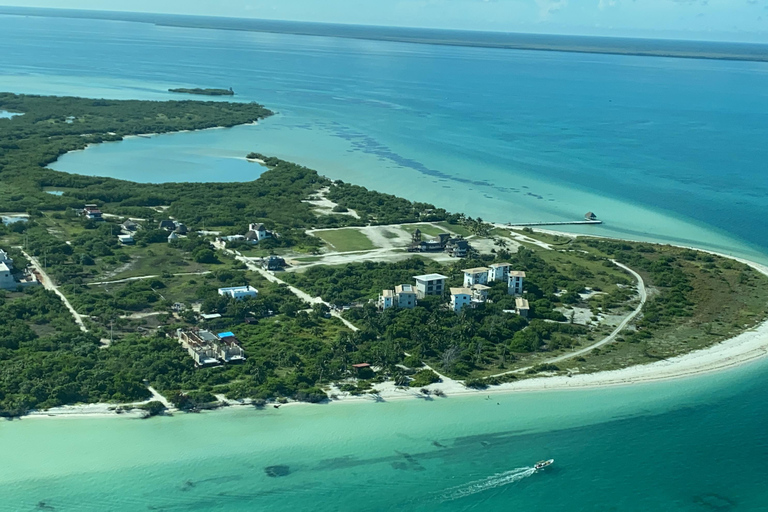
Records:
x=663, y=149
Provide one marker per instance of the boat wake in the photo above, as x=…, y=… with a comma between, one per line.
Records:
x=492, y=482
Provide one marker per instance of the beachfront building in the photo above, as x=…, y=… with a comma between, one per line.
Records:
x=403, y=296
x=460, y=297
x=430, y=284
x=498, y=272
x=199, y=345
x=521, y=307
x=473, y=276
x=515, y=283
x=209, y=349
x=228, y=349
x=239, y=292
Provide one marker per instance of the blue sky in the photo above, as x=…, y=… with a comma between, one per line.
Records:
x=696, y=19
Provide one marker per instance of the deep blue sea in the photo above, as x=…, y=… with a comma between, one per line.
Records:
x=663, y=149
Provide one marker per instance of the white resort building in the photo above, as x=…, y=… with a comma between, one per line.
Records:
x=498, y=272
x=477, y=275
x=515, y=286
x=430, y=284
x=460, y=297
x=239, y=292
x=403, y=296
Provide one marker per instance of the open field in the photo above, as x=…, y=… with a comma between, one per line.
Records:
x=346, y=240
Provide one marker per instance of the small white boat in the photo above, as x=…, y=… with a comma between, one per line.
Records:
x=542, y=464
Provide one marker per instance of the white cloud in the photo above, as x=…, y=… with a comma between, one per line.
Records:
x=549, y=7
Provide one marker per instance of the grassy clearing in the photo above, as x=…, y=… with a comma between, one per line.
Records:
x=454, y=228
x=346, y=240
x=152, y=260
x=427, y=229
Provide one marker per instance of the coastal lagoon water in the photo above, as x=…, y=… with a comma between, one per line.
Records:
x=661, y=149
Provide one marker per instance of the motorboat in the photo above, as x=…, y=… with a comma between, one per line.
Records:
x=542, y=464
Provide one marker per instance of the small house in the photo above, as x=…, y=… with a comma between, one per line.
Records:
x=273, y=263
x=129, y=226
x=387, y=299
x=167, y=225
x=239, y=292
x=521, y=307
x=125, y=239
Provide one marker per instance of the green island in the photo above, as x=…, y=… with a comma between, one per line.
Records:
x=285, y=281
x=204, y=92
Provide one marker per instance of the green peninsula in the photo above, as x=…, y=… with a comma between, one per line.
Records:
x=205, y=92
x=199, y=292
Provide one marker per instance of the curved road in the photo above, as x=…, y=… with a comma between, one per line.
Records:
x=608, y=339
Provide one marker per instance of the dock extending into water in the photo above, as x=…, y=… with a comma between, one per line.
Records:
x=552, y=223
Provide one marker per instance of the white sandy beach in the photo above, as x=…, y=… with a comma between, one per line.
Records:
x=747, y=347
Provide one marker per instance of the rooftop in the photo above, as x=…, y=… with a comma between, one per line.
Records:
x=239, y=289
x=461, y=291
x=521, y=303
x=478, y=270
x=517, y=273
x=430, y=277
x=404, y=288
x=498, y=265
x=387, y=293
x=480, y=287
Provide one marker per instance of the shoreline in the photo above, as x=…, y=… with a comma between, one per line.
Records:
x=744, y=348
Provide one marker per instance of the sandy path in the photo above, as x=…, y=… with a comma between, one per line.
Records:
x=48, y=284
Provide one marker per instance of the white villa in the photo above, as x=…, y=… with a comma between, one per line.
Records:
x=515, y=285
x=498, y=272
x=430, y=284
x=477, y=275
x=239, y=292
x=403, y=296
x=460, y=297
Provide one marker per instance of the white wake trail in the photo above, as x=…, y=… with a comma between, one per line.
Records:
x=493, y=481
